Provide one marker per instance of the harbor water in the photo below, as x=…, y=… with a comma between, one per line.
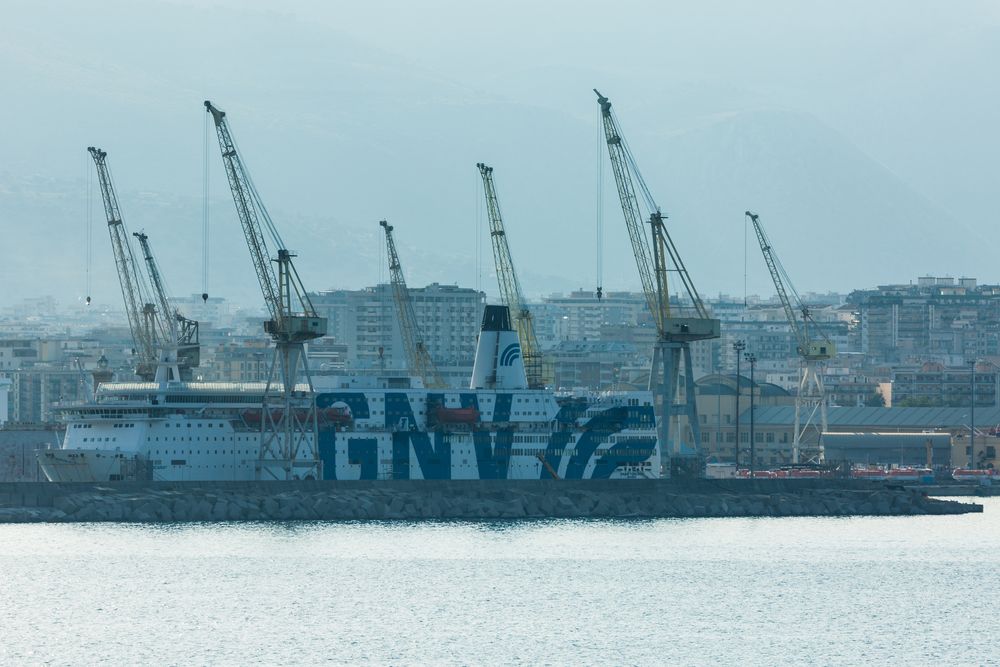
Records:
x=836, y=591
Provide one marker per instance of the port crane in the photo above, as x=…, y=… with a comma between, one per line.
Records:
x=656, y=256
x=181, y=333
x=289, y=444
x=146, y=330
x=417, y=356
x=812, y=345
x=535, y=368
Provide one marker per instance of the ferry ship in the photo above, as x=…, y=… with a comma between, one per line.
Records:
x=369, y=428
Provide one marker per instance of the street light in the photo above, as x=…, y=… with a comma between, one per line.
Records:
x=752, y=358
x=739, y=346
x=972, y=413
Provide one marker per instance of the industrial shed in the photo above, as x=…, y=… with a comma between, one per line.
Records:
x=902, y=449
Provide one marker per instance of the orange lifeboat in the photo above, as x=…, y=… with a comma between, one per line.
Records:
x=445, y=415
x=973, y=474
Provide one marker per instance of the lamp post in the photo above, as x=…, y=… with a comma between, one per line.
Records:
x=752, y=358
x=738, y=346
x=972, y=413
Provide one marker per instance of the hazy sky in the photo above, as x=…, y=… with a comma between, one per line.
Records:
x=866, y=135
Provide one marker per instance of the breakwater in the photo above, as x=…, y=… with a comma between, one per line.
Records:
x=497, y=499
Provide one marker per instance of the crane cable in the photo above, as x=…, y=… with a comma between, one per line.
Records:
x=89, y=242
x=601, y=142
x=478, y=184
x=256, y=201
x=204, y=217
x=634, y=168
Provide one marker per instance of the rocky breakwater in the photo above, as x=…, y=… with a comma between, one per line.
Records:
x=281, y=501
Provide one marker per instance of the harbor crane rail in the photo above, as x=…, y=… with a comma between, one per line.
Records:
x=812, y=345
x=656, y=256
x=536, y=370
x=289, y=434
x=417, y=356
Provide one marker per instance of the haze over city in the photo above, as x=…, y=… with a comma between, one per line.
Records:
x=456, y=332
x=864, y=134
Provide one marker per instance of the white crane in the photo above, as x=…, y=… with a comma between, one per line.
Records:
x=812, y=345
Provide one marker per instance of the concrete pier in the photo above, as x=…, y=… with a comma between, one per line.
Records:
x=152, y=502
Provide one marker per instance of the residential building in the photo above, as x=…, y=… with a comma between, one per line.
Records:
x=366, y=323
x=35, y=392
x=936, y=319
x=932, y=384
x=592, y=364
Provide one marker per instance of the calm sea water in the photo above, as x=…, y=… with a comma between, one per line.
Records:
x=915, y=590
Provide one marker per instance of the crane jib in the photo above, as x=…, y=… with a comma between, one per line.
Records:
x=655, y=252
x=293, y=318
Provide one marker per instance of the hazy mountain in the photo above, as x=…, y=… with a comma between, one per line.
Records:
x=342, y=128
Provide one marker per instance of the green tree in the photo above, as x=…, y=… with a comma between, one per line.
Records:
x=876, y=400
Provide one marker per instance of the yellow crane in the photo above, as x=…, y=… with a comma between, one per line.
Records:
x=655, y=257
x=535, y=368
x=417, y=356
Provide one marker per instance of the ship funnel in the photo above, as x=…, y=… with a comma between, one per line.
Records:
x=498, y=354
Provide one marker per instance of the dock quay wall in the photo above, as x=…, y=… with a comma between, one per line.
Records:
x=451, y=499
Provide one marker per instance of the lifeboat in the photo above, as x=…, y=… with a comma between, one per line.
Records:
x=757, y=474
x=332, y=415
x=973, y=475
x=802, y=473
x=445, y=415
x=910, y=475
x=335, y=415
x=874, y=474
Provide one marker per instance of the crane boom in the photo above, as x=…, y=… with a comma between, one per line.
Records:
x=292, y=314
x=417, y=355
x=654, y=256
x=140, y=311
x=180, y=332
x=807, y=346
x=510, y=287
x=156, y=280
x=779, y=285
